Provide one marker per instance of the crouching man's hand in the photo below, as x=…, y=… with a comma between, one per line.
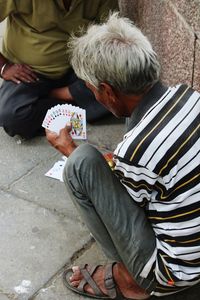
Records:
x=63, y=141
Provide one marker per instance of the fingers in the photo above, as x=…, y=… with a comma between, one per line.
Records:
x=51, y=136
x=27, y=69
x=64, y=133
x=24, y=73
x=63, y=141
x=76, y=269
x=66, y=130
x=19, y=73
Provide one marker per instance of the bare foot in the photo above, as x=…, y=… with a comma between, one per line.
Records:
x=123, y=280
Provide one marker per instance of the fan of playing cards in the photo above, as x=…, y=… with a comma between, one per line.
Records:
x=60, y=115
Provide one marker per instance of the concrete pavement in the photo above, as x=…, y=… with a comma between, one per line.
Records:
x=40, y=231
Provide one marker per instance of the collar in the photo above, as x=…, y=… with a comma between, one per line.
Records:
x=152, y=96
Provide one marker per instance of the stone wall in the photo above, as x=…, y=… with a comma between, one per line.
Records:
x=173, y=27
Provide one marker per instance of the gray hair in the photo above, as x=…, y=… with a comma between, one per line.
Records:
x=117, y=53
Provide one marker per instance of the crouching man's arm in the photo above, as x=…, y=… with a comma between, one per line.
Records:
x=63, y=141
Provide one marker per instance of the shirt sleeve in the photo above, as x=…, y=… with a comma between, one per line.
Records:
x=138, y=180
x=6, y=8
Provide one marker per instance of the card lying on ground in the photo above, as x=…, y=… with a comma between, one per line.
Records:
x=60, y=115
x=56, y=171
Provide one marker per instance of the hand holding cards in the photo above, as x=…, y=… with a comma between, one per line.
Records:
x=60, y=115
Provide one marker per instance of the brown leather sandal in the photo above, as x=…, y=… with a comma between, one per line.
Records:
x=113, y=292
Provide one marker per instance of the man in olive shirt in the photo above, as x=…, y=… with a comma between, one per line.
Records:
x=34, y=62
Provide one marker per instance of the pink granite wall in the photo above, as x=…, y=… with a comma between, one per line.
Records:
x=173, y=27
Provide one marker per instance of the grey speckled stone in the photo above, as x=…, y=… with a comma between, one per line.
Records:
x=190, y=10
x=171, y=37
x=171, y=27
x=197, y=66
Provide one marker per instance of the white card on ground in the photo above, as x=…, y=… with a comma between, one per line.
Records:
x=56, y=171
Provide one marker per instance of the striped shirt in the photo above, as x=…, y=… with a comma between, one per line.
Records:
x=158, y=162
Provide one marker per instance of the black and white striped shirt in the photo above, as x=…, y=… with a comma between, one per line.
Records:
x=158, y=162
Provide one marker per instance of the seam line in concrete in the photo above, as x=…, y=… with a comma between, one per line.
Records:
x=53, y=211
x=71, y=260
x=30, y=171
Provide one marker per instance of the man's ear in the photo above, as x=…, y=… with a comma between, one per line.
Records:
x=107, y=91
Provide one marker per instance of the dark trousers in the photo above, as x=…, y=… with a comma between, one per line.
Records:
x=23, y=106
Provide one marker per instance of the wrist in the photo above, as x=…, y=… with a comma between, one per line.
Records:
x=3, y=69
x=70, y=148
x=66, y=148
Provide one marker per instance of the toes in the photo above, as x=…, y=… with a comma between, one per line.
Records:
x=75, y=269
x=75, y=283
x=76, y=276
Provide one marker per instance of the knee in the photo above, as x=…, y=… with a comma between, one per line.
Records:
x=16, y=121
x=9, y=122
x=7, y=109
x=5, y=115
x=82, y=159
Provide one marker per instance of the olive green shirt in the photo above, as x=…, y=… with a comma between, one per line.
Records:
x=38, y=30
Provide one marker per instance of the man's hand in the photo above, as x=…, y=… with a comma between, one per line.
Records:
x=63, y=141
x=19, y=73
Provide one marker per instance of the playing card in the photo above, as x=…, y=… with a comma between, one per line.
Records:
x=78, y=125
x=56, y=171
x=60, y=115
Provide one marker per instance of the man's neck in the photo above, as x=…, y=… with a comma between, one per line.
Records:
x=67, y=4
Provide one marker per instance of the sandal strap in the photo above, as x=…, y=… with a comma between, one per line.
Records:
x=113, y=291
x=87, y=274
x=109, y=281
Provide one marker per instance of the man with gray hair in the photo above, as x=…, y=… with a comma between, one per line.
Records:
x=145, y=213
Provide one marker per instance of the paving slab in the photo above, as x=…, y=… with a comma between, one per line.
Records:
x=3, y=297
x=45, y=191
x=35, y=245
x=18, y=158
x=56, y=290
